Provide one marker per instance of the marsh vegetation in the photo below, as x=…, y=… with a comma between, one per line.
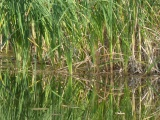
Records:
x=50, y=97
x=85, y=43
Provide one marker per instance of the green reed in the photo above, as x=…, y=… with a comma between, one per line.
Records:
x=112, y=34
x=44, y=96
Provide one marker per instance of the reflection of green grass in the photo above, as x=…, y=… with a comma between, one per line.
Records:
x=65, y=33
x=82, y=35
x=53, y=97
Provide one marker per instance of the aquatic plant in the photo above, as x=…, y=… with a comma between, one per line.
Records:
x=47, y=96
x=101, y=35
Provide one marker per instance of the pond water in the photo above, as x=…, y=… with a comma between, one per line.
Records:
x=46, y=95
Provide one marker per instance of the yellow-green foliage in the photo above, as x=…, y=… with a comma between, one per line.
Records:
x=115, y=34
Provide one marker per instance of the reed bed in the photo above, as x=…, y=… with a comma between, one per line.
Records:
x=46, y=97
x=94, y=35
x=80, y=40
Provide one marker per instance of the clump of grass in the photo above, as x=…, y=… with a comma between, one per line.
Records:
x=65, y=33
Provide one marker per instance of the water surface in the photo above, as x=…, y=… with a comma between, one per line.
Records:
x=59, y=97
x=51, y=95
